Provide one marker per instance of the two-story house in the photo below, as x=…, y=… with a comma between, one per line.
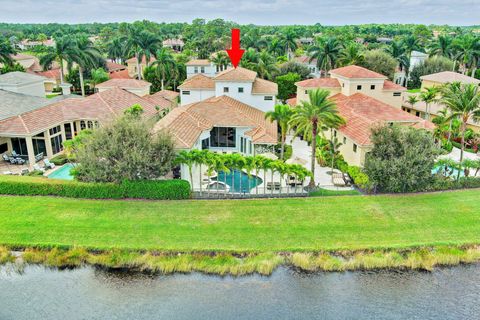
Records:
x=364, y=99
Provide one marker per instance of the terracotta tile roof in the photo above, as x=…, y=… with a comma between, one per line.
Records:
x=319, y=83
x=198, y=81
x=356, y=72
x=102, y=106
x=198, y=62
x=304, y=60
x=236, y=74
x=123, y=74
x=113, y=66
x=261, y=86
x=362, y=113
x=392, y=86
x=167, y=94
x=50, y=74
x=123, y=83
x=448, y=77
x=18, y=77
x=133, y=60
x=186, y=123
x=292, y=102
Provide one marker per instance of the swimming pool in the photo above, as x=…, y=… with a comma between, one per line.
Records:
x=234, y=177
x=62, y=173
x=441, y=170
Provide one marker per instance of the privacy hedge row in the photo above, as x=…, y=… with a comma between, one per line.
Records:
x=35, y=186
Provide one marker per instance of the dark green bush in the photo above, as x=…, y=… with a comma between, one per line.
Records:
x=442, y=183
x=158, y=190
x=59, y=160
x=287, y=152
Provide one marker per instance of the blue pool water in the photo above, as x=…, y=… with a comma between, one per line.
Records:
x=234, y=177
x=441, y=170
x=62, y=173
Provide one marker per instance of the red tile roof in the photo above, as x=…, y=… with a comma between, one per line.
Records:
x=356, y=72
x=123, y=74
x=167, y=94
x=124, y=83
x=362, y=113
x=292, y=102
x=319, y=83
x=186, y=123
x=101, y=106
x=391, y=86
x=134, y=60
x=113, y=66
x=51, y=74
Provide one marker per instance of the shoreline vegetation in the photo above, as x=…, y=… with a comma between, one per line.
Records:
x=231, y=237
x=240, y=264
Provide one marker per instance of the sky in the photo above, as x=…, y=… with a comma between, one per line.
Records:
x=261, y=12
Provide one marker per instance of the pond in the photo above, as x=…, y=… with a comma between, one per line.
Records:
x=62, y=173
x=91, y=293
x=238, y=181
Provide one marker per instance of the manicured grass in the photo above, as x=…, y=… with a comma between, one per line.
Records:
x=305, y=224
x=325, y=192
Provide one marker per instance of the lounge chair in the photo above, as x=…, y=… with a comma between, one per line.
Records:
x=275, y=186
x=15, y=154
x=36, y=167
x=19, y=161
x=8, y=159
x=337, y=179
x=48, y=164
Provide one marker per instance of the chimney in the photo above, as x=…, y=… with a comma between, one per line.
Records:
x=66, y=88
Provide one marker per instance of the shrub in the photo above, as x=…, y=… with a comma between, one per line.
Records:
x=360, y=178
x=59, y=160
x=459, y=146
x=34, y=186
x=287, y=154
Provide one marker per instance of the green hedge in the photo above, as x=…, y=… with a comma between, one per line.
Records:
x=35, y=186
x=59, y=160
x=459, y=146
x=359, y=178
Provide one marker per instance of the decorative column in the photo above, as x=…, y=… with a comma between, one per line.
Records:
x=31, y=152
x=48, y=144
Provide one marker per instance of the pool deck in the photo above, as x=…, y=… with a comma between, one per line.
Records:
x=15, y=169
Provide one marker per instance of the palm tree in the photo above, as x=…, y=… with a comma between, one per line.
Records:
x=165, y=65
x=210, y=160
x=352, y=53
x=441, y=47
x=187, y=158
x=266, y=164
x=463, y=101
x=311, y=115
x=143, y=44
x=199, y=158
x=6, y=52
x=468, y=51
x=64, y=50
x=266, y=65
x=412, y=100
x=116, y=49
x=250, y=165
x=282, y=114
x=283, y=169
x=287, y=41
x=238, y=163
x=221, y=60
x=333, y=146
x=85, y=55
x=429, y=95
x=326, y=51
x=398, y=52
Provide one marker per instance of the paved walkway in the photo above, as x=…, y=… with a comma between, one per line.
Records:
x=302, y=150
x=455, y=155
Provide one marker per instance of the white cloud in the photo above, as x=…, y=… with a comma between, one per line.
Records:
x=459, y=12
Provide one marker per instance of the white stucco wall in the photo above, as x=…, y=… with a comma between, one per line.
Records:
x=255, y=100
x=209, y=70
x=195, y=96
x=36, y=88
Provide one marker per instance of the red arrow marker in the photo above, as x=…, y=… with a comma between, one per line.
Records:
x=235, y=53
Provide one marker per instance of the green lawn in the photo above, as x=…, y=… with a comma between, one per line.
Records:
x=350, y=222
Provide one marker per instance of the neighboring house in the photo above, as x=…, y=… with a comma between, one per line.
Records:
x=311, y=65
x=117, y=71
x=416, y=59
x=238, y=83
x=139, y=87
x=364, y=99
x=36, y=127
x=437, y=80
x=133, y=67
x=29, y=44
x=28, y=62
x=201, y=66
x=24, y=83
x=174, y=44
x=52, y=79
